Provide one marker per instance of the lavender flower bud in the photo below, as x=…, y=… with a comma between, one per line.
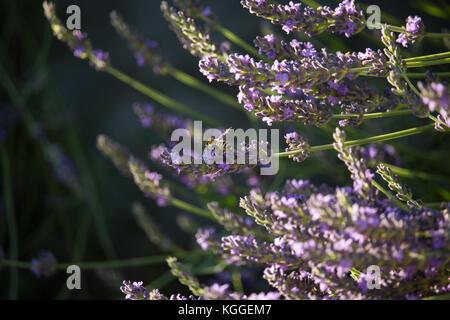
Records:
x=230, y=221
x=415, y=32
x=185, y=277
x=435, y=96
x=360, y=175
x=136, y=291
x=44, y=265
x=296, y=143
x=402, y=191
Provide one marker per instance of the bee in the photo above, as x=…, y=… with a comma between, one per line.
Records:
x=220, y=141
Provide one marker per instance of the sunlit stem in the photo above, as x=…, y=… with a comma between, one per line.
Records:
x=197, y=84
x=233, y=38
x=374, y=139
x=159, y=97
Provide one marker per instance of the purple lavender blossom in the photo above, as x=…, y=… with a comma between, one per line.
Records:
x=415, y=31
x=435, y=96
x=348, y=18
x=136, y=291
x=44, y=265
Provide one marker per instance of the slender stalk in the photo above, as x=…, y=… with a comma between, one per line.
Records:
x=374, y=115
x=11, y=220
x=403, y=30
x=197, y=84
x=411, y=85
x=429, y=57
x=388, y=194
x=424, y=75
x=159, y=97
x=437, y=35
x=409, y=64
x=419, y=64
x=191, y=208
x=111, y=264
x=380, y=138
x=233, y=38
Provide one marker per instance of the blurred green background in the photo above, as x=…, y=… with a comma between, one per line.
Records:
x=50, y=100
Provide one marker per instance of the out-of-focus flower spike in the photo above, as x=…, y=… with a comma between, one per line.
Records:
x=118, y=154
x=150, y=183
x=150, y=228
x=44, y=265
x=146, y=52
x=77, y=41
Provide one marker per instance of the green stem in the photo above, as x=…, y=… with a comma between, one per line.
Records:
x=429, y=57
x=159, y=97
x=197, y=84
x=11, y=218
x=388, y=194
x=380, y=138
x=374, y=115
x=437, y=35
x=424, y=75
x=111, y=264
x=233, y=38
x=419, y=64
x=411, y=85
x=191, y=208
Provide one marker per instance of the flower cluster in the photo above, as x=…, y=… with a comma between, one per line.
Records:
x=296, y=143
x=415, y=31
x=347, y=18
x=218, y=158
x=435, y=97
x=77, y=41
x=146, y=51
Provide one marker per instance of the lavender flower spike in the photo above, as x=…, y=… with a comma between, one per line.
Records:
x=415, y=32
x=296, y=142
x=348, y=18
x=146, y=51
x=150, y=182
x=77, y=41
x=195, y=40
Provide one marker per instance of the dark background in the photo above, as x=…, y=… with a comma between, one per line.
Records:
x=73, y=103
